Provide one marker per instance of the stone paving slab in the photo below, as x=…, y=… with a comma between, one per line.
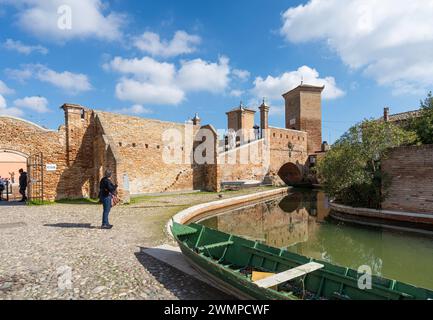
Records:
x=59, y=252
x=173, y=257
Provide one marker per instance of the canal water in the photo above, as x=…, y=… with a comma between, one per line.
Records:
x=301, y=223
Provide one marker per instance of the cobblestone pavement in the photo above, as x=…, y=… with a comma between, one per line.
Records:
x=58, y=251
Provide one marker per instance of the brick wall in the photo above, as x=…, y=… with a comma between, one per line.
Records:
x=280, y=153
x=411, y=172
x=26, y=138
x=303, y=107
x=139, y=146
x=248, y=162
x=269, y=155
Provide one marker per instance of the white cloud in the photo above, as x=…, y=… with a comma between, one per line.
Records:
x=2, y=102
x=4, y=89
x=37, y=104
x=21, y=75
x=22, y=48
x=242, y=75
x=136, y=109
x=236, y=93
x=90, y=19
x=147, y=81
x=182, y=43
x=148, y=93
x=70, y=82
x=273, y=87
x=144, y=69
x=199, y=75
x=390, y=40
x=5, y=111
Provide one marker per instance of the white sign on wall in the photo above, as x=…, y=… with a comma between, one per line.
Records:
x=292, y=122
x=51, y=167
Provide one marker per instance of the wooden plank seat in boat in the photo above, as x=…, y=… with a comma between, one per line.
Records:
x=288, y=275
x=182, y=230
x=215, y=245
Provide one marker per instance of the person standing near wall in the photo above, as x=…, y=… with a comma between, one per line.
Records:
x=107, y=190
x=2, y=187
x=23, y=185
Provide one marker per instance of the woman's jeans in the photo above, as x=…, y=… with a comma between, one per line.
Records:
x=106, y=204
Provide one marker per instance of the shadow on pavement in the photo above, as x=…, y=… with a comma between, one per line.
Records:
x=183, y=286
x=72, y=225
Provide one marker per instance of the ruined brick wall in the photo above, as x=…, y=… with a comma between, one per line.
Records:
x=70, y=149
x=411, y=172
x=139, y=146
x=26, y=138
x=78, y=178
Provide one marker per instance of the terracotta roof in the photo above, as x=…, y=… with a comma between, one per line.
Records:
x=404, y=115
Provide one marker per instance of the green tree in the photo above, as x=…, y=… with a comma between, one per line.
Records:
x=423, y=125
x=350, y=171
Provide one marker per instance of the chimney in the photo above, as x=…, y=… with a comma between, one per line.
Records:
x=264, y=117
x=386, y=114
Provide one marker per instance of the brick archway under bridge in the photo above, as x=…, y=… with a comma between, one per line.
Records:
x=290, y=174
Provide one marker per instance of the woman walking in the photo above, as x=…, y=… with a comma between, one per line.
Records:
x=107, y=191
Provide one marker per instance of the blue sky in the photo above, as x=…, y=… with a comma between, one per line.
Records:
x=169, y=59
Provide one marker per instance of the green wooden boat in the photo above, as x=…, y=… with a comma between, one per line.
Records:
x=231, y=261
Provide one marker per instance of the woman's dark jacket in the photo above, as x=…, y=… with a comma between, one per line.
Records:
x=106, y=187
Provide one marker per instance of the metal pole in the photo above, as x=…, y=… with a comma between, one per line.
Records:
x=42, y=177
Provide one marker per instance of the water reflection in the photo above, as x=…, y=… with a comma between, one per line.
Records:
x=300, y=223
x=279, y=223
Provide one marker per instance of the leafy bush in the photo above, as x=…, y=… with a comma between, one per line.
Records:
x=423, y=125
x=350, y=171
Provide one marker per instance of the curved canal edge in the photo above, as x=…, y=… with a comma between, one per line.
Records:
x=203, y=210
x=404, y=221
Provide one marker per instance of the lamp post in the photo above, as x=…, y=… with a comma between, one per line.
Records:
x=291, y=148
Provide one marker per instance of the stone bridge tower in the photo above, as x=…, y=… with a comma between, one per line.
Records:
x=304, y=113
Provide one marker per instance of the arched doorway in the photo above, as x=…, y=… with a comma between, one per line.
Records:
x=290, y=174
x=10, y=163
